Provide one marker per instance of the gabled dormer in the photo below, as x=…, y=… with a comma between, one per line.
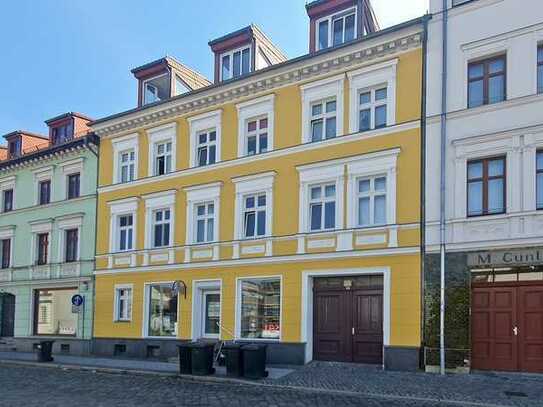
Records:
x=242, y=52
x=335, y=22
x=22, y=142
x=165, y=78
x=67, y=126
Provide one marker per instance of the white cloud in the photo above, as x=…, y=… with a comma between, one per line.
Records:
x=391, y=12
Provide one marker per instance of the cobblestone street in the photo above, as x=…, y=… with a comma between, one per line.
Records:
x=36, y=386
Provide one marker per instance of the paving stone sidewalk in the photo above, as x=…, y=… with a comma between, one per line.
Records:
x=350, y=379
x=483, y=388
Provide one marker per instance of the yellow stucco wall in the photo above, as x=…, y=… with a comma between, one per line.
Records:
x=405, y=296
x=405, y=269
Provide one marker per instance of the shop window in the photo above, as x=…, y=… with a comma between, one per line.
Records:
x=162, y=311
x=53, y=312
x=260, y=308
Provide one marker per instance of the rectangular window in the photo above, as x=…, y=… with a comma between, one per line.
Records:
x=53, y=312
x=323, y=120
x=372, y=109
x=127, y=166
x=162, y=310
x=73, y=186
x=205, y=222
x=487, y=81
x=72, y=237
x=207, y=147
x=322, y=207
x=14, y=148
x=161, y=228
x=236, y=63
x=63, y=133
x=372, y=207
x=257, y=136
x=539, y=179
x=261, y=309
x=125, y=232
x=254, y=216
x=6, y=253
x=44, y=192
x=123, y=304
x=163, y=158
x=486, y=186
x=336, y=30
x=540, y=69
x=7, y=200
x=42, y=249
x=211, y=314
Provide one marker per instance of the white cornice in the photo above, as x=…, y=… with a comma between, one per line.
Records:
x=358, y=55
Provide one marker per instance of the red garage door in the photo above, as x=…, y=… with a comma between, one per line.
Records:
x=507, y=327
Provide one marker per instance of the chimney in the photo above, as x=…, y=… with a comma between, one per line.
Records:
x=242, y=52
x=165, y=78
x=335, y=22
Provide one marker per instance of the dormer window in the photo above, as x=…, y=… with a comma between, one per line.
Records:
x=336, y=29
x=235, y=63
x=15, y=147
x=62, y=133
x=156, y=89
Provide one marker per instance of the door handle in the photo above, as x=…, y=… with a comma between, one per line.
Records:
x=515, y=331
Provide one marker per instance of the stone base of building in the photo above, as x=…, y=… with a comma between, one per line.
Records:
x=277, y=353
x=402, y=358
x=63, y=346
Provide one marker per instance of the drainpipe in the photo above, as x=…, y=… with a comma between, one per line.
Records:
x=442, y=234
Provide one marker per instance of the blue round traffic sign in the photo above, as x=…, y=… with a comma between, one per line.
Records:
x=77, y=300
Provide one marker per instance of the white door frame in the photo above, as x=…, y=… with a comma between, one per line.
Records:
x=307, y=301
x=199, y=289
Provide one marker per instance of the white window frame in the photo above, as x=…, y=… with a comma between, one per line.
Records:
x=130, y=165
x=6, y=184
x=331, y=18
x=70, y=168
x=322, y=200
x=323, y=117
x=237, y=329
x=159, y=135
x=251, y=110
x=206, y=217
x=8, y=233
x=159, y=201
x=126, y=229
x=120, y=145
x=117, y=312
x=66, y=223
x=144, y=84
x=119, y=208
x=365, y=79
x=198, y=124
x=249, y=186
x=315, y=174
x=371, y=195
x=373, y=165
x=208, y=193
x=146, y=311
x=203, y=333
x=231, y=55
x=372, y=105
x=41, y=175
x=207, y=145
x=328, y=88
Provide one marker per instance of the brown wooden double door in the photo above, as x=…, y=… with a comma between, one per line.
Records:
x=348, y=319
x=507, y=327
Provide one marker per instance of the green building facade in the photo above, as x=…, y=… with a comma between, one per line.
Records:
x=47, y=240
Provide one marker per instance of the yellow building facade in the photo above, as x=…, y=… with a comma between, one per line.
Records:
x=282, y=207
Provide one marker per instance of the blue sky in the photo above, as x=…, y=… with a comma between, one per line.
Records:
x=76, y=55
